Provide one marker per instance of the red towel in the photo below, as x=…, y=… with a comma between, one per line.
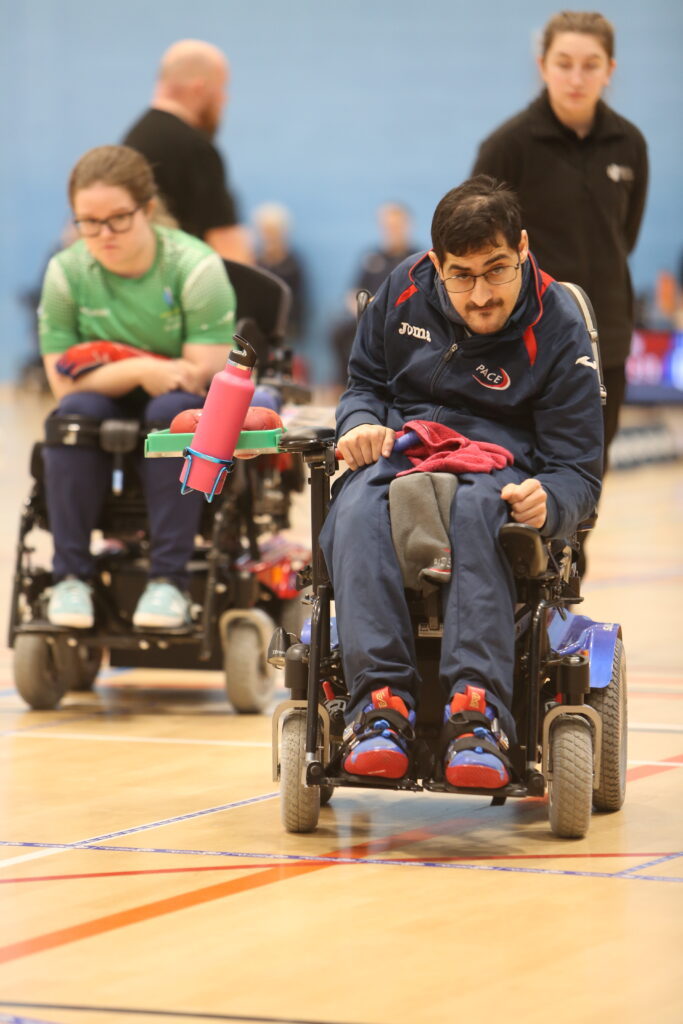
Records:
x=446, y=451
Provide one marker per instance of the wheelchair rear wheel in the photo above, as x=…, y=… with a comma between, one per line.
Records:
x=610, y=703
x=249, y=680
x=299, y=804
x=37, y=675
x=570, y=790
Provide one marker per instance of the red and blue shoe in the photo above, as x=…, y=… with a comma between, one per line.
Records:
x=475, y=745
x=377, y=743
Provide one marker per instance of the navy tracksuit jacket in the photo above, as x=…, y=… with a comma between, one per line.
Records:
x=532, y=387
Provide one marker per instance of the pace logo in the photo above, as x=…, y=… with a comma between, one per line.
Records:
x=495, y=379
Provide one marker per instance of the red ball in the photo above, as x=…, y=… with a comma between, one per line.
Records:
x=185, y=422
x=260, y=418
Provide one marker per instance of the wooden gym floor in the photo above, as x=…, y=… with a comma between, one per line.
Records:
x=145, y=875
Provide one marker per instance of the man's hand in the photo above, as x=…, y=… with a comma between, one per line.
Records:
x=366, y=444
x=157, y=376
x=528, y=502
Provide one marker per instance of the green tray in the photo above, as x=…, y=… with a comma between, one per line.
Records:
x=162, y=444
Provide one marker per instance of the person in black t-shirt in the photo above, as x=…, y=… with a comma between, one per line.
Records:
x=175, y=135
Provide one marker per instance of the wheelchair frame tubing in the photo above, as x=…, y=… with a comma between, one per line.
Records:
x=534, y=669
x=25, y=527
x=322, y=590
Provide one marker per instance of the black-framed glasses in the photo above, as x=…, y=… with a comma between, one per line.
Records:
x=90, y=227
x=503, y=274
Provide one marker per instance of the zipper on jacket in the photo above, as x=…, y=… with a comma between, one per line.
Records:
x=445, y=358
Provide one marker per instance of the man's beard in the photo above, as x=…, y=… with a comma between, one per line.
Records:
x=209, y=122
x=471, y=310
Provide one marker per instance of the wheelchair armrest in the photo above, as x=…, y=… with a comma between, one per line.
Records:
x=308, y=440
x=525, y=549
x=74, y=430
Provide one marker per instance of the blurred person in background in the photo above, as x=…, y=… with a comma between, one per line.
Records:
x=581, y=173
x=273, y=224
x=176, y=136
x=135, y=319
x=395, y=224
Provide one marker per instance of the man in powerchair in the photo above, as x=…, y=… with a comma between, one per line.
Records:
x=489, y=359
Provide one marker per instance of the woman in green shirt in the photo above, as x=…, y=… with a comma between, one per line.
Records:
x=166, y=294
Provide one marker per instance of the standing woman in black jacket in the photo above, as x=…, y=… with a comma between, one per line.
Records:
x=580, y=171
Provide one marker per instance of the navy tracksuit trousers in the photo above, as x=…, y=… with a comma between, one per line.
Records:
x=372, y=614
x=77, y=480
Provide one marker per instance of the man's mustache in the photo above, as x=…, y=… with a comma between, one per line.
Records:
x=472, y=307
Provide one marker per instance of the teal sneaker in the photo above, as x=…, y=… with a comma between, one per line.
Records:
x=162, y=606
x=71, y=604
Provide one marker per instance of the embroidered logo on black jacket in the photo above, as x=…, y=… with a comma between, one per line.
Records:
x=492, y=377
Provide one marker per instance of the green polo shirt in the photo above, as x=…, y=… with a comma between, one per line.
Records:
x=184, y=298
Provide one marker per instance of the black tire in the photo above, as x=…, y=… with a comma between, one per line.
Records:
x=570, y=790
x=249, y=680
x=78, y=665
x=299, y=804
x=326, y=793
x=36, y=675
x=611, y=705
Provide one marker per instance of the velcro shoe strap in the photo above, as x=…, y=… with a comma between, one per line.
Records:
x=398, y=722
x=472, y=742
x=462, y=722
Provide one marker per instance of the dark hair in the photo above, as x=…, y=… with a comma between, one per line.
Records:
x=114, y=165
x=474, y=215
x=589, y=23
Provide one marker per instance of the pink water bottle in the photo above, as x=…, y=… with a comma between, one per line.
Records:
x=208, y=461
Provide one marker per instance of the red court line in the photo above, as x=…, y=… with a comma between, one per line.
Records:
x=314, y=860
x=655, y=695
x=148, y=911
x=641, y=771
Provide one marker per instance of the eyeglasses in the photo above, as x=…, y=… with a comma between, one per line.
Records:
x=90, y=227
x=466, y=282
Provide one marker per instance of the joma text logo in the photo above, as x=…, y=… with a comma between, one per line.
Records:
x=416, y=332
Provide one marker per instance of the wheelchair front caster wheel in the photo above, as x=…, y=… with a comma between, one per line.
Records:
x=37, y=675
x=570, y=790
x=249, y=680
x=299, y=804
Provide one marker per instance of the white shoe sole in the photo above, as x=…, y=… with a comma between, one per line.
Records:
x=158, y=622
x=72, y=620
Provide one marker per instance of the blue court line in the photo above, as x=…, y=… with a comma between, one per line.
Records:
x=10, y=1018
x=649, y=864
x=176, y=1014
x=55, y=724
x=87, y=843
x=382, y=861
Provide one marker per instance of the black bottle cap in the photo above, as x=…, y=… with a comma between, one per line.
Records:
x=244, y=355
